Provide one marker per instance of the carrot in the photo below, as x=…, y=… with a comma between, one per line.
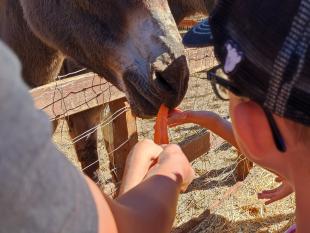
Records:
x=161, y=126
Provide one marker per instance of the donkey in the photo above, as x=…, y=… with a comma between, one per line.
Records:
x=87, y=150
x=135, y=45
x=180, y=9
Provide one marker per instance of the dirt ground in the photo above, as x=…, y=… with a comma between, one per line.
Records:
x=214, y=202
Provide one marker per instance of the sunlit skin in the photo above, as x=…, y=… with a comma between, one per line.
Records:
x=278, y=193
x=254, y=138
x=223, y=128
x=251, y=134
x=149, y=192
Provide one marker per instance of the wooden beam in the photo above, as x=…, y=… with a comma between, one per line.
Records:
x=119, y=137
x=244, y=167
x=196, y=146
x=73, y=95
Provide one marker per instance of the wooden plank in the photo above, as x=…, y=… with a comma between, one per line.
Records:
x=196, y=146
x=244, y=167
x=73, y=95
x=200, y=59
x=120, y=137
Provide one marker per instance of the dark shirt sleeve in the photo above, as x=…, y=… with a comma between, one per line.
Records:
x=41, y=191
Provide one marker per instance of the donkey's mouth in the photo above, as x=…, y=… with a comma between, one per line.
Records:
x=143, y=98
x=146, y=94
x=161, y=82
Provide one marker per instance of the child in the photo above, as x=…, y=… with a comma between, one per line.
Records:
x=223, y=128
x=263, y=48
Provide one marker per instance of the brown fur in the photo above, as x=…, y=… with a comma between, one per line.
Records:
x=43, y=33
x=180, y=9
x=105, y=36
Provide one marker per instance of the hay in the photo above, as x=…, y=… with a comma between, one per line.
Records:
x=206, y=207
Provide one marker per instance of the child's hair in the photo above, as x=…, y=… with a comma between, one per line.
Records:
x=273, y=38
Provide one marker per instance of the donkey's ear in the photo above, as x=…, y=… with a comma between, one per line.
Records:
x=252, y=129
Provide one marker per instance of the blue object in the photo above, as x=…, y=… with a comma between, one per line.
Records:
x=199, y=36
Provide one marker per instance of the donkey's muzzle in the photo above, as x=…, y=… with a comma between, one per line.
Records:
x=171, y=83
x=163, y=86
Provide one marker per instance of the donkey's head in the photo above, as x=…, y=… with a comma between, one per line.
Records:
x=134, y=44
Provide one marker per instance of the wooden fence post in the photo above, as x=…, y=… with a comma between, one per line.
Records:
x=119, y=136
x=244, y=167
x=196, y=146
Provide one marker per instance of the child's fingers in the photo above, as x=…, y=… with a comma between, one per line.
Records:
x=175, y=116
x=145, y=150
x=279, y=179
x=177, y=119
x=263, y=196
x=275, y=194
x=172, y=125
x=265, y=192
x=267, y=196
x=143, y=156
x=175, y=111
x=271, y=198
x=271, y=201
x=275, y=198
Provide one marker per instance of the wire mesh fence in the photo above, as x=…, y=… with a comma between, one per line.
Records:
x=197, y=98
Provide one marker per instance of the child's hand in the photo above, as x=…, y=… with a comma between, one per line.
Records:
x=173, y=163
x=205, y=119
x=139, y=161
x=278, y=193
x=148, y=159
x=178, y=117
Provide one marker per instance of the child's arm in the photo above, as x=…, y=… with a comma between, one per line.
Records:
x=149, y=202
x=206, y=119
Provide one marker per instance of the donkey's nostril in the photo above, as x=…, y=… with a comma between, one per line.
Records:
x=161, y=82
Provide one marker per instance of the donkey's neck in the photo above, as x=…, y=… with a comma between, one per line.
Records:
x=41, y=64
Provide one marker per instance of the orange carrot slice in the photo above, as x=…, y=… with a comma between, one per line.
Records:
x=161, y=126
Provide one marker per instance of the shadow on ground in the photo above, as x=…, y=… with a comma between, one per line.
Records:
x=205, y=182
x=207, y=222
